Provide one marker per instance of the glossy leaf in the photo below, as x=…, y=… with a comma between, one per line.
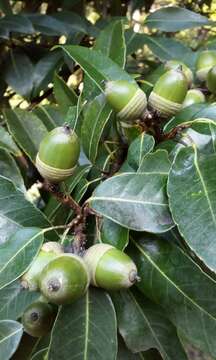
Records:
x=143, y=326
x=141, y=146
x=7, y=143
x=10, y=336
x=172, y=19
x=18, y=212
x=91, y=323
x=10, y=170
x=114, y=234
x=95, y=119
x=192, y=201
x=170, y=278
x=14, y=300
x=27, y=129
x=17, y=253
x=136, y=201
x=65, y=96
x=156, y=162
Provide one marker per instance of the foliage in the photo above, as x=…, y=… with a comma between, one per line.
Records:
x=148, y=190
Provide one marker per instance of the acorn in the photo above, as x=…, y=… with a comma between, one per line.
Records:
x=211, y=80
x=126, y=99
x=169, y=93
x=58, y=154
x=38, y=318
x=175, y=64
x=48, y=252
x=194, y=96
x=205, y=61
x=64, y=279
x=110, y=268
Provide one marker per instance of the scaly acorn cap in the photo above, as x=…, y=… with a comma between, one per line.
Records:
x=211, y=80
x=64, y=279
x=168, y=93
x=48, y=252
x=110, y=268
x=193, y=96
x=126, y=99
x=38, y=319
x=174, y=64
x=205, y=61
x=58, y=154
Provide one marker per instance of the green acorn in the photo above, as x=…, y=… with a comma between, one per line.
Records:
x=126, y=99
x=58, y=154
x=175, y=64
x=211, y=80
x=48, y=252
x=168, y=93
x=205, y=61
x=64, y=279
x=38, y=319
x=110, y=268
x=193, y=96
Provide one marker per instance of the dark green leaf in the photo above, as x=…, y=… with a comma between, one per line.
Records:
x=65, y=96
x=91, y=324
x=7, y=143
x=157, y=162
x=49, y=115
x=17, y=24
x=10, y=336
x=172, y=19
x=5, y=7
x=141, y=146
x=114, y=234
x=10, y=170
x=136, y=201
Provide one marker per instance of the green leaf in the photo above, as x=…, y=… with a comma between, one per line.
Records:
x=14, y=300
x=141, y=146
x=114, y=234
x=16, y=24
x=96, y=65
x=172, y=19
x=17, y=73
x=17, y=253
x=10, y=336
x=194, y=210
x=136, y=201
x=27, y=129
x=95, y=119
x=65, y=96
x=190, y=113
x=16, y=211
x=7, y=143
x=125, y=354
x=143, y=326
x=10, y=170
x=49, y=115
x=174, y=281
x=91, y=324
x=156, y=162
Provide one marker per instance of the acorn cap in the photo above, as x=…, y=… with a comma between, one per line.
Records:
x=174, y=64
x=64, y=279
x=48, y=252
x=109, y=267
x=38, y=319
x=54, y=175
x=211, y=80
x=168, y=93
x=193, y=96
x=126, y=98
x=205, y=61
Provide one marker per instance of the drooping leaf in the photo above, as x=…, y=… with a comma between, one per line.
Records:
x=10, y=336
x=143, y=326
x=91, y=323
x=136, y=201
x=17, y=212
x=65, y=96
x=95, y=119
x=10, y=170
x=170, y=278
x=141, y=146
x=27, y=129
x=7, y=143
x=114, y=234
x=17, y=253
x=14, y=300
x=192, y=201
x=174, y=19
